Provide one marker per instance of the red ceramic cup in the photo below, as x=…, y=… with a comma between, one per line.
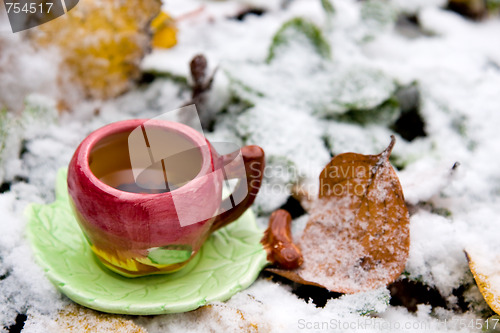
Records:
x=137, y=234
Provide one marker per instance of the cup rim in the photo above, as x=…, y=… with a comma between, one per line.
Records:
x=129, y=125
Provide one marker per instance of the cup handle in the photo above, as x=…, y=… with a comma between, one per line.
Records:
x=253, y=159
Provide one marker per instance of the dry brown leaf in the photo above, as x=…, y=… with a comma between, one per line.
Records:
x=485, y=268
x=357, y=237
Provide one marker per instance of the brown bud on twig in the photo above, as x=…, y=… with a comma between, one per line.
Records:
x=198, y=68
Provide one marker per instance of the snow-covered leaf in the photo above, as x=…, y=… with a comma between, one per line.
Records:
x=361, y=89
x=299, y=31
x=357, y=237
x=485, y=268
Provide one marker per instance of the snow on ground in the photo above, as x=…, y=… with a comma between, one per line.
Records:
x=296, y=107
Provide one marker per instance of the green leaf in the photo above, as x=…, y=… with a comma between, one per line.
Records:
x=154, y=74
x=491, y=324
x=493, y=5
x=365, y=92
x=297, y=30
x=16, y=127
x=384, y=114
x=167, y=255
x=378, y=13
x=328, y=7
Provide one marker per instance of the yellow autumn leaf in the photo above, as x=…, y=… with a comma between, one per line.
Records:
x=101, y=44
x=486, y=271
x=164, y=31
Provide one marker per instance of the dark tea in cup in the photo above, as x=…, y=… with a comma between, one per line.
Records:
x=111, y=161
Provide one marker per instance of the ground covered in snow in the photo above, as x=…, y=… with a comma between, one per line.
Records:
x=305, y=82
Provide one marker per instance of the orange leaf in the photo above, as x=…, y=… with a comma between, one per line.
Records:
x=484, y=267
x=357, y=237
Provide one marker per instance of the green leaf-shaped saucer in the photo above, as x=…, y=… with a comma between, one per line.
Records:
x=229, y=261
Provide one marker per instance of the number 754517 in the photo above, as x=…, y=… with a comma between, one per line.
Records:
x=32, y=8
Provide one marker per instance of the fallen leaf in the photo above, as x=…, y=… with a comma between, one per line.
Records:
x=357, y=237
x=101, y=45
x=164, y=31
x=485, y=268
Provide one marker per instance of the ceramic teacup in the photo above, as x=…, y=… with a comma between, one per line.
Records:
x=148, y=193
